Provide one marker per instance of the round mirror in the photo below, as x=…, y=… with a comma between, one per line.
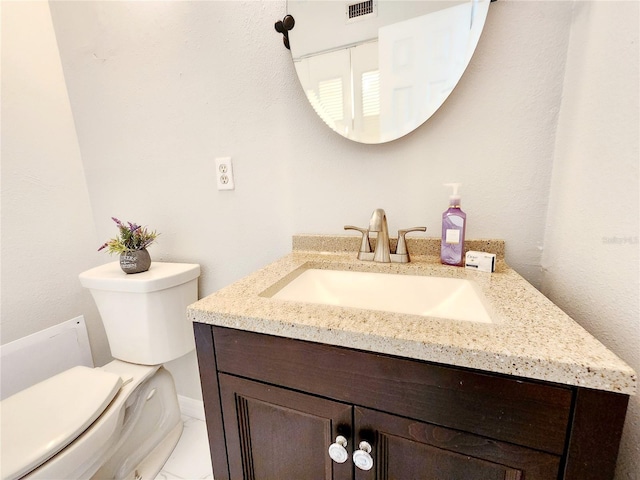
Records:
x=375, y=70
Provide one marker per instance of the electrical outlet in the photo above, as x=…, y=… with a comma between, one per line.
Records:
x=224, y=174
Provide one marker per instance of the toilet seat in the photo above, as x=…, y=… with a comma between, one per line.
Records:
x=38, y=428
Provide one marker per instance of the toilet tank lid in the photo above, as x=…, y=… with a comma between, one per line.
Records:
x=161, y=275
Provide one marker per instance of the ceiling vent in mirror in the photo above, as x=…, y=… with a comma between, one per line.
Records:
x=362, y=10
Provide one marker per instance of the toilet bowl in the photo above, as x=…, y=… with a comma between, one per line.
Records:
x=121, y=420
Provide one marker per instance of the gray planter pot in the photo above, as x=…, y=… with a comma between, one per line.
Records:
x=135, y=261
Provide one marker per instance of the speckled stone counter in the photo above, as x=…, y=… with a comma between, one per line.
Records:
x=530, y=336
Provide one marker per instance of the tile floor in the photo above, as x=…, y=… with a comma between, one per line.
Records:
x=190, y=459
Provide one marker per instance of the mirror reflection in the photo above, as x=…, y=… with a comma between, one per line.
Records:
x=376, y=70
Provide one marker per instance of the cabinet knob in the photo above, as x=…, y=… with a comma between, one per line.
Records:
x=362, y=457
x=338, y=450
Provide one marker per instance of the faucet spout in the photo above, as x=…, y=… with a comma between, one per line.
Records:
x=378, y=223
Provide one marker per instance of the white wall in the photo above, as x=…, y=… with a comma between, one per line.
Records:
x=48, y=235
x=591, y=262
x=158, y=89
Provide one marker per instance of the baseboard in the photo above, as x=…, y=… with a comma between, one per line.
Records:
x=191, y=407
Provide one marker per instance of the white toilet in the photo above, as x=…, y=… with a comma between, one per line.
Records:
x=122, y=420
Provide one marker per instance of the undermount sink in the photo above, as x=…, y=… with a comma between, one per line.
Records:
x=448, y=298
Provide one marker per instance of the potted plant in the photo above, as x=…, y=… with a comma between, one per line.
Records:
x=131, y=244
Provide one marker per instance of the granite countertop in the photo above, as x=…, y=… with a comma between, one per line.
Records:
x=530, y=337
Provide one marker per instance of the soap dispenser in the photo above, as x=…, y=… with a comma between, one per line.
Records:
x=454, y=222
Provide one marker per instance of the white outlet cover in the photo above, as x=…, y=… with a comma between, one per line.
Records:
x=224, y=174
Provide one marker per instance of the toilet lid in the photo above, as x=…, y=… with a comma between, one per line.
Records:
x=43, y=419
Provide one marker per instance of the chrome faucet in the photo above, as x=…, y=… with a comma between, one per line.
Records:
x=382, y=253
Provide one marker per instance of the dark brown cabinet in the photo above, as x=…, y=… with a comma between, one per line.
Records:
x=274, y=406
x=440, y=453
x=277, y=433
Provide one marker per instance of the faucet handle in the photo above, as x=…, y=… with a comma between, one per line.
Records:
x=401, y=249
x=365, y=245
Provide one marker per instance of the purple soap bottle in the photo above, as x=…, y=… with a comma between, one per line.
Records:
x=454, y=222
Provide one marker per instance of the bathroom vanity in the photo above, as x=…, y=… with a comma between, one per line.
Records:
x=529, y=395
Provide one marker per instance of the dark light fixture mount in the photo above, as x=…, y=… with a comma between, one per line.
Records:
x=283, y=26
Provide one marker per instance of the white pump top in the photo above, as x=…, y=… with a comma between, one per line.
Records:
x=454, y=198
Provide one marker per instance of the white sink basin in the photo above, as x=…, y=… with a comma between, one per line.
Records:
x=449, y=298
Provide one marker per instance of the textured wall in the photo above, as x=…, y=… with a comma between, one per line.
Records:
x=161, y=88
x=591, y=247
x=48, y=235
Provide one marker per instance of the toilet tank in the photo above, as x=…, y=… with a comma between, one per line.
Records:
x=145, y=314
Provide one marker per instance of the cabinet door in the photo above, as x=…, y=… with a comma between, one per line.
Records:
x=274, y=433
x=404, y=449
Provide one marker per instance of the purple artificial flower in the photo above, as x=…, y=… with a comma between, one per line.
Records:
x=131, y=237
